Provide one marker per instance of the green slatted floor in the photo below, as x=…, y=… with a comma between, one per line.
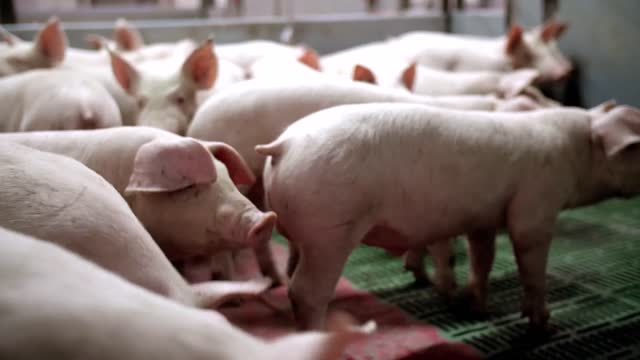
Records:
x=593, y=281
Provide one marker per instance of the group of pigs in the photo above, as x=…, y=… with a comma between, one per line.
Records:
x=402, y=144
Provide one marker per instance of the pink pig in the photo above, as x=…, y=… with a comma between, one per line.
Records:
x=58, y=306
x=58, y=199
x=404, y=176
x=183, y=191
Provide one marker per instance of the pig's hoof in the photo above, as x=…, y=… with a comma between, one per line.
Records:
x=421, y=281
x=476, y=303
x=541, y=332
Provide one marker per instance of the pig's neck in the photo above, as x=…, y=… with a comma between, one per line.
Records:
x=595, y=184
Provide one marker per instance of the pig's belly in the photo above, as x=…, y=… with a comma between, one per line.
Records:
x=398, y=234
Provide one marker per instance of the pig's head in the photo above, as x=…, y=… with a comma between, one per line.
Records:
x=615, y=133
x=538, y=49
x=47, y=50
x=168, y=102
x=184, y=192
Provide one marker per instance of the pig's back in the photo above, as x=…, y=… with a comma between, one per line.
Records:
x=437, y=162
x=108, y=152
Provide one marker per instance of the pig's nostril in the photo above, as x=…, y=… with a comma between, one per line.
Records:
x=261, y=232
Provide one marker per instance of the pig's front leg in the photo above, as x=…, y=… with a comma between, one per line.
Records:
x=264, y=256
x=316, y=275
x=482, y=249
x=414, y=262
x=443, y=262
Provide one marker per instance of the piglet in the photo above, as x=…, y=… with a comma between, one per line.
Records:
x=404, y=176
x=58, y=199
x=182, y=190
x=57, y=305
x=56, y=100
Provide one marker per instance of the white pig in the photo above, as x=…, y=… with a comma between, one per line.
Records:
x=256, y=112
x=165, y=91
x=535, y=49
x=55, y=305
x=402, y=176
x=182, y=190
x=60, y=200
x=244, y=54
x=46, y=51
x=55, y=100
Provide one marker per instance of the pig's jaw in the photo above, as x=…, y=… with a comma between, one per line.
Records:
x=599, y=184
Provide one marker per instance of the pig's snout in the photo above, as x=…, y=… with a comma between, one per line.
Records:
x=260, y=231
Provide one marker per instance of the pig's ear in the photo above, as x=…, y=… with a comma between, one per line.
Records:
x=310, y=58
x=8, y=37
x=409, y=76
x=617, y=129
x=603, y=108
x=126, y=75
x=363, y=74
x=239, y=171
x=51, y=41
x=514, y=40
x=171, y=164
x=201, y=67
x=552, y=30
x=126, y=36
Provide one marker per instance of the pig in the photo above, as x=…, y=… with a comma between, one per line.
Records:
x=227, y=116
x=46, y=51
x=58, y=199
x=458, y=184
x=277, y=68
x=100, y=316
x=535, y=49
x=166, y=96
x=126, y=37
x=422, y=80
x=183, y=191
x=55, y=100
x=244, y=54
x=256, y=112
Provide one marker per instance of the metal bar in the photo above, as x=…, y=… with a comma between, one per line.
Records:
x=446, y=14
x=550, y=9
x=460, y=4
x=7, y=12
x=508, y=14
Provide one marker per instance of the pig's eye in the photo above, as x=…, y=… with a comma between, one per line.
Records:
x=180, y=100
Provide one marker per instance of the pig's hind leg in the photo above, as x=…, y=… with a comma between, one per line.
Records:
x=482, y=249
x=531, y=233
x=414, y=262
x=321, y=261
x=443, y=261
